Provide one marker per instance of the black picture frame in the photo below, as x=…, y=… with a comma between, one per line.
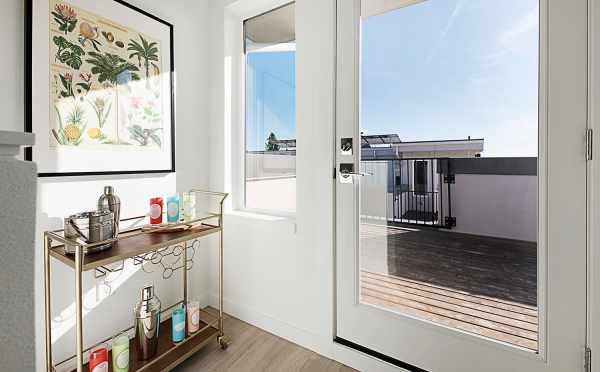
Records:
x=28, y=80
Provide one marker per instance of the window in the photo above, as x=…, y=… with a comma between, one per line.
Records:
x=270, y=117
x=420, y=177
x=449, y=98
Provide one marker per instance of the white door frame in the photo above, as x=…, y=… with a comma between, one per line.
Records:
x=593, y=184
x=563, y=99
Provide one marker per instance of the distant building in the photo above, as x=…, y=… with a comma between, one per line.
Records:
x=389, y=146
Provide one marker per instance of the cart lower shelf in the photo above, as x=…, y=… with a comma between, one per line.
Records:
x=169, y=354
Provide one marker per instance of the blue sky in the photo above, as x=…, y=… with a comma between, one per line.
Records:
x=270, y=97
x=440, y=69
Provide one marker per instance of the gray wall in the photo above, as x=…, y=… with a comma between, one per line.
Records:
x=17, y=218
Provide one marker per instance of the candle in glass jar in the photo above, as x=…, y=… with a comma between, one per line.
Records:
x=120, y=353
x=156, y=210
x=189, y=205
x=178, y=325
x=193, y=316
x=99, y=359
x=173, y=209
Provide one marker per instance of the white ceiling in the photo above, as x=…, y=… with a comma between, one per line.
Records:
x=274, y=27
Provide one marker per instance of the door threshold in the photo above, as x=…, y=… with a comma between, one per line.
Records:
x=378, y=355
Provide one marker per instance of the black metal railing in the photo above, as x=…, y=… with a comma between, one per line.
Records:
x=420, y=190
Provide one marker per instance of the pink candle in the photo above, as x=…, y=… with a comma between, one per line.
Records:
x=193, y=316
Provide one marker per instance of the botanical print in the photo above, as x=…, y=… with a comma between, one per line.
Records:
x=105, y=83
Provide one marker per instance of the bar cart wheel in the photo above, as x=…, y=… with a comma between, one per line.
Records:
x=223, y=342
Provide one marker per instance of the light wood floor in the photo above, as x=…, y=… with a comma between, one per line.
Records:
x=253, y=349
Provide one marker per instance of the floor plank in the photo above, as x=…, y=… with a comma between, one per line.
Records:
x=442, y=307
x=429, y=289
x=253, y=349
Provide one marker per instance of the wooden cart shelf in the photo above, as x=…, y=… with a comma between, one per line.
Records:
x=169, y=354
x=142, y=247
x=132, y=244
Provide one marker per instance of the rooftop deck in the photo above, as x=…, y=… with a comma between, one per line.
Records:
x=482, y=285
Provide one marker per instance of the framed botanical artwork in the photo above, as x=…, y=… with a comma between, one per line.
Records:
x=99, y=88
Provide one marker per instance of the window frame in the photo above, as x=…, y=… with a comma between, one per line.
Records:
x=235, y=36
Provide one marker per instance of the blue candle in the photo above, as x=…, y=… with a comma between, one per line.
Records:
x=173, y=208
x=178, y=322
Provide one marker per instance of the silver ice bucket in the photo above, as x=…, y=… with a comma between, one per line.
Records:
x=89, y=228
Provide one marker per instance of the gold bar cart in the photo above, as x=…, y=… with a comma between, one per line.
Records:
x=143, y=248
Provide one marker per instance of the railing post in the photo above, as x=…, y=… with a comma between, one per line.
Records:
x=449, y=179
x=401, y=192
x=432, y=194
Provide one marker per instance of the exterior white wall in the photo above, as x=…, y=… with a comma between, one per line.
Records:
x=269, y=165
x=375, y=201
x=503, y=206
x=58, y=197
x=496, y=205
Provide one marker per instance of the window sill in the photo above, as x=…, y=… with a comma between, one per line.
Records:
x=264, y=217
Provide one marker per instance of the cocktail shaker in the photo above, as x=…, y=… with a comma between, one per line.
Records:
x=109, y=201
x=147, y=323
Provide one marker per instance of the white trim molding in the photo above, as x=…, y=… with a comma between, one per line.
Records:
x=11, y=142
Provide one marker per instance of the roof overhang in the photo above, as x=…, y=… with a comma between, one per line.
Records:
x=474, y=145
x=375, y=7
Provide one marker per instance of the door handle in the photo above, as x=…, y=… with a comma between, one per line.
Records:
x=361, y=174
x=347, y=173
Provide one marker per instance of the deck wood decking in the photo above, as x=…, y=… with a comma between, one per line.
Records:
x=481, y=285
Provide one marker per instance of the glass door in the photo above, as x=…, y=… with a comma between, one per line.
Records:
x=461, y=195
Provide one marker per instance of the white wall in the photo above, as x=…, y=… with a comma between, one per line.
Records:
x=503, y=206
x=279, y=271
x=272, y=194
x=58, y=197
x=12, y=65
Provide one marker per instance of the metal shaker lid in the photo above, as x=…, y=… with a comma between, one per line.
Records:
x=108, y=190
x=147, y=293
x=149, y=303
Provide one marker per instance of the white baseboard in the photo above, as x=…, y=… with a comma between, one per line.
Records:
x=272, y=325
x=307, y=339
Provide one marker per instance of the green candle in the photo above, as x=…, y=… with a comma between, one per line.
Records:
x=120, y=353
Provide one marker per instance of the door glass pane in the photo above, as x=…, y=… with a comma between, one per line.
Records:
x=270, y=176
x=449, y=126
